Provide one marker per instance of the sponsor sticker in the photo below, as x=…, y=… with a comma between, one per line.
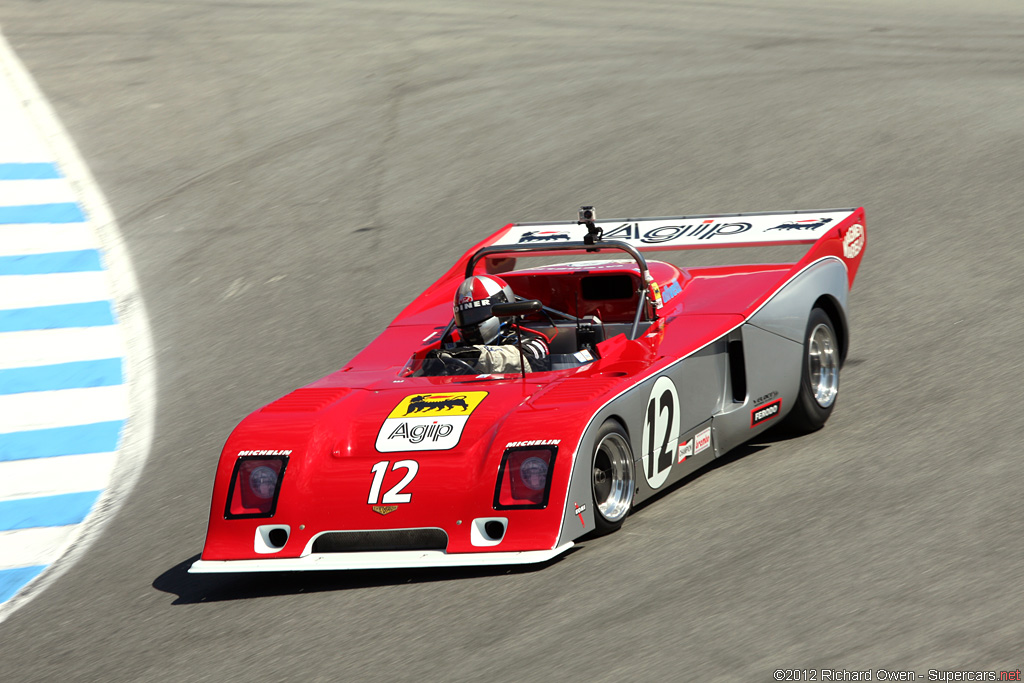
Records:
x=457, y=403
x=583, y=356
x=544, y=236
x=702, y=440
x=767, y=397
x=466, y=305
x=653, y=291
x=806, y=224
x=765, y=413
x=692, y=231
x=383, y=509
x=533, y=442
x=704, y=230
x=673, y=290
x=428, y=422
x=586, y=266
x=853, y=241
x=264, y=452
x=580, y=509
x=685, y=450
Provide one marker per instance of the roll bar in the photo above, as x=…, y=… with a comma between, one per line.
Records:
x=574, y=247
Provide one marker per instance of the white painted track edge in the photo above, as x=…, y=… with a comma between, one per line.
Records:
x=139, y=364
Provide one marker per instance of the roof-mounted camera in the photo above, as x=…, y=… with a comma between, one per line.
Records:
x=587, y=218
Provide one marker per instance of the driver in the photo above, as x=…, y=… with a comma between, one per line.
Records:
x=487, y=344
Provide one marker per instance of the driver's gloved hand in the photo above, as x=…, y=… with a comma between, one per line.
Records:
x=467, y=354
x=434, y=362
x=440, y=362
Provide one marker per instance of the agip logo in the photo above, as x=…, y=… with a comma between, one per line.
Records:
x=462, y=403
x=427, y=422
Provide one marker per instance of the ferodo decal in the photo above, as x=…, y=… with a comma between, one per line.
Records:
x=765, y=412
x=428, y=422
x=853, y=241
x=661, y=431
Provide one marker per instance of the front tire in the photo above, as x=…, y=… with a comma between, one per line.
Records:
x=819, y=375
x=611, y=479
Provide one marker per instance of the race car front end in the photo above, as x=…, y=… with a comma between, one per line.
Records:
x=377, y=479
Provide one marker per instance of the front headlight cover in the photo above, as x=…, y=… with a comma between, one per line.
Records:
x=255, y=486
x=524, y=478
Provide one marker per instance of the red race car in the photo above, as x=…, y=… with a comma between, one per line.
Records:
x=507, y=412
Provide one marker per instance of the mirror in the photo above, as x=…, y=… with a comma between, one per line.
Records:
x=516, y=308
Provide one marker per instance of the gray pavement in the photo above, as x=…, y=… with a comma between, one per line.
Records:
x=288, y=175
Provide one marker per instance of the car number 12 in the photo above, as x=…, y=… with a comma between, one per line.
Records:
x=661, y=431
x=394, y=494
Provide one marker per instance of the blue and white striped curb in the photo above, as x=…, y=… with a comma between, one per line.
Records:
x=64, y=386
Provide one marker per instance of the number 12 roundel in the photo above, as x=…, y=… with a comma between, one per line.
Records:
x=661, y=431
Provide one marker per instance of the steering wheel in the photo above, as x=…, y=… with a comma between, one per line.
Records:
x=457, y=366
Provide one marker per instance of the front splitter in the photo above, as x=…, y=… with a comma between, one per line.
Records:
x=398, y=559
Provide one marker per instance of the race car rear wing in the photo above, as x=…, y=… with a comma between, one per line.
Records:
x=687, y=232
x=833, y=233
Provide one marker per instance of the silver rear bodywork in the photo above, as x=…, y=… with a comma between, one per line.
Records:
x=771, y=341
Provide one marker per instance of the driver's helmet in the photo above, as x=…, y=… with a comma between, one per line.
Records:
x=473, y=301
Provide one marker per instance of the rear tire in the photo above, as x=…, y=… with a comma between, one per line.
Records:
x=819, y=375
x=611, y=479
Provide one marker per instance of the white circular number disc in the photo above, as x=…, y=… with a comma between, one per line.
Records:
x=661, y=431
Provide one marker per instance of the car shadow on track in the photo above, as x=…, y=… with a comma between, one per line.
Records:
x=197, y=588
x=760, y=443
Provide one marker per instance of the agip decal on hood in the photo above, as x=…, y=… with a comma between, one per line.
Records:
x=428, y=422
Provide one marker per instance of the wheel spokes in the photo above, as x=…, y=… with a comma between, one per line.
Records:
x=823, y=365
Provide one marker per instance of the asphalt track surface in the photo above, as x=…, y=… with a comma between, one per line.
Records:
x=287, y=175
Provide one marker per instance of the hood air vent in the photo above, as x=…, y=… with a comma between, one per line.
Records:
x=305, y=400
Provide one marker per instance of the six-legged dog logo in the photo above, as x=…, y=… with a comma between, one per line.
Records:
x=442, y=404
